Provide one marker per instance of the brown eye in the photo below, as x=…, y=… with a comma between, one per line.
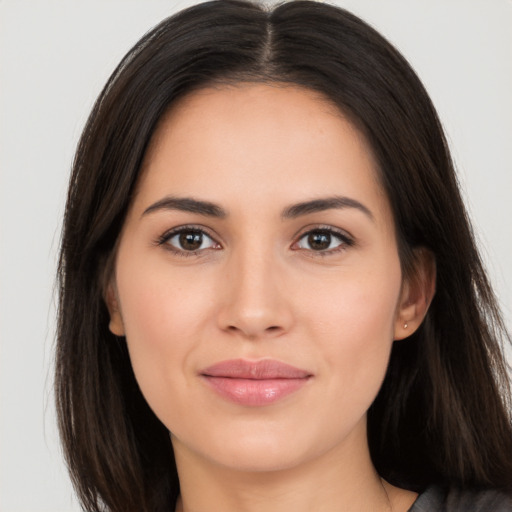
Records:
x=323, y=240
x=189, y=240
x=319, y=241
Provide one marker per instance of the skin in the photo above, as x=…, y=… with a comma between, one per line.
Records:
x=257, y=289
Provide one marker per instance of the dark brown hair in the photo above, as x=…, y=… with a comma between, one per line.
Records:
x=442, y=415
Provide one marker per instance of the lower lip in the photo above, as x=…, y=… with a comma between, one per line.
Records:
x=252, y=392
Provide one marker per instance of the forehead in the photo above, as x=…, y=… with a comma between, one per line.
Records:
x=236, y=143
x=273, y=115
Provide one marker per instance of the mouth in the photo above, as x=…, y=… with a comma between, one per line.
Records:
x=255, y=383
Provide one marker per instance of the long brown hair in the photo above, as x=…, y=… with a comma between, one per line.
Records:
x=442, y=415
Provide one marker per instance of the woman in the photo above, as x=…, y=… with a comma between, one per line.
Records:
x=270, y=294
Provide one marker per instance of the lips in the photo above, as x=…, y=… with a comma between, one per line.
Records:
x=254, y=383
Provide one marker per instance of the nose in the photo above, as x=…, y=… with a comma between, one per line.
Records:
x=255, y=303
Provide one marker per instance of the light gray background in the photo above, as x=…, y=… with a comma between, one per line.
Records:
x=54, y=58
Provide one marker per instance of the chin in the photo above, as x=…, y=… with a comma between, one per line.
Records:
x=259, y=448
x=258, y=458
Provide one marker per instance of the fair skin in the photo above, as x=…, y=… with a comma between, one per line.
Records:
x=259, y=278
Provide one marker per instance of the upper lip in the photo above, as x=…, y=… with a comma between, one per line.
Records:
x=256, y=370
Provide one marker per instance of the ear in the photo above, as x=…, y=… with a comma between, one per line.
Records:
x=116, y=324
x=416, y=295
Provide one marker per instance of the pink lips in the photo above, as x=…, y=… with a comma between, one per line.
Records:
x=254, y=383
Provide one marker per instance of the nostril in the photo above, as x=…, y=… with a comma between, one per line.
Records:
x=269, y=330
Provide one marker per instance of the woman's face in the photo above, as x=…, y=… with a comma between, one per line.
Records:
x=257, y=278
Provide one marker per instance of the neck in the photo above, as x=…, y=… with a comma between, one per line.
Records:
x=331, y=482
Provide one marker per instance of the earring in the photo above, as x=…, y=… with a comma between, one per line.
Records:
x=405, y=325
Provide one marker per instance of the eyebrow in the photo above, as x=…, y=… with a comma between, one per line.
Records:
x=323, y=204
x=209, y=209
x=187, y=204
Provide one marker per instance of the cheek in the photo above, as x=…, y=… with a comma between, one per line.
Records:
x=162, y=314
x=160, y=302
x=352, y=320
x=354, y=305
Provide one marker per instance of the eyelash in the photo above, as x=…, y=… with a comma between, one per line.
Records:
x=168, y=235
x=346, y=240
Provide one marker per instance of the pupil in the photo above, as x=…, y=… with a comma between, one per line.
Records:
x=191, y=241
x=319, y=241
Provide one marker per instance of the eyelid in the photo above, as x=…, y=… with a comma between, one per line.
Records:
x=347, y=239
x=170, y=233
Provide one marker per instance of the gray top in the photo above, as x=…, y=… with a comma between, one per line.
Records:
x=436, y=499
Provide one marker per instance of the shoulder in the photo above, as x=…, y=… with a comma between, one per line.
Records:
x=438, y=499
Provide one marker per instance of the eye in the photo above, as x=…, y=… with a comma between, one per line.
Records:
x=188, y=240
x=323, y=240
